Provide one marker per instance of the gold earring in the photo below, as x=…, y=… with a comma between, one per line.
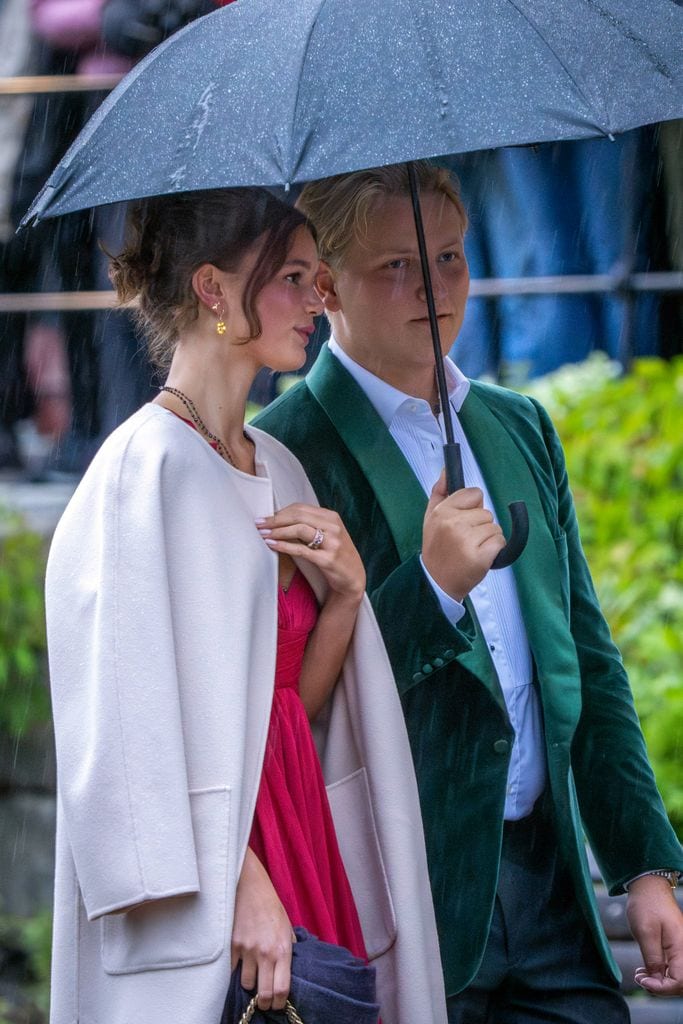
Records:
x=220, y=323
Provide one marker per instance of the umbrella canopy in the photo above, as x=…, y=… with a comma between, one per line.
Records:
x=276, y=94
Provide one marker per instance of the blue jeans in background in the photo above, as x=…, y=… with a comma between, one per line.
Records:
x=564, y=208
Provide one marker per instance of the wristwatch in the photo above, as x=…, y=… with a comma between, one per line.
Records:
x=671, y=876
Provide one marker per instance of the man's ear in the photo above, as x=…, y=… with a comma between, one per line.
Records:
x=326, y=288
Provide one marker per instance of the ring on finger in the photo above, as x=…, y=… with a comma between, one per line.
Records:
x=317, y=541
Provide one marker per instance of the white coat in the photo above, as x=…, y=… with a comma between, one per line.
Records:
x=162, y=620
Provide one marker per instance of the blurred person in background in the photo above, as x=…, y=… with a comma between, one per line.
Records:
x=109, y=373
x=65, y=255
x=671, y=158
x=15, y=54
x=577, y=207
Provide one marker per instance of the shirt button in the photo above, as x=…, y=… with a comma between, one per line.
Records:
x=501, y=746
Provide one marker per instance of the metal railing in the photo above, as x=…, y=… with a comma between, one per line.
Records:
x=482, y=288
x=625, y=286
x=56, y=302
x=34, y=85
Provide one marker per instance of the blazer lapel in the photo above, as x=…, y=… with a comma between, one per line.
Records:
x=400, y=496
x=537, y=570
x=402, y=500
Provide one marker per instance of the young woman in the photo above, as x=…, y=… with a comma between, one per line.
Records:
x=200, y=610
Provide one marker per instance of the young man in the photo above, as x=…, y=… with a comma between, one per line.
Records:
x=517, y=706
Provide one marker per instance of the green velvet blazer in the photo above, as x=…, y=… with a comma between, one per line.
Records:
x=600, y=780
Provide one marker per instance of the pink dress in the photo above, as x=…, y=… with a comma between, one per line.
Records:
x=293, y=834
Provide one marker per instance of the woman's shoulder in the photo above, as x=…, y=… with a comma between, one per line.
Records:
x=148, y=450
x=150, y=437
x=146, y=463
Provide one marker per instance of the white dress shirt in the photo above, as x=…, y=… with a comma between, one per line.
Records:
x=419, y=435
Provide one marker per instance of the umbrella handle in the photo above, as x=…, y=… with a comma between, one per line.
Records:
x=453, y=462
x=519, y=534
x=519, y=515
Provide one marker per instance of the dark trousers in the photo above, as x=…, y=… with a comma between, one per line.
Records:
x=540, y=964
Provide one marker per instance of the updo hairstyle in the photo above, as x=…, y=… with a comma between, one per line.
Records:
x=169, y=237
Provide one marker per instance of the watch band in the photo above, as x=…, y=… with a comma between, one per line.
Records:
x=670, y=875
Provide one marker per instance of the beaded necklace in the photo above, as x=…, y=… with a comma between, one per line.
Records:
x=221, y=446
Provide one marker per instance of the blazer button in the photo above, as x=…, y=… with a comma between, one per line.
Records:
x=501, y=746
x=427, y=669
x=418, y=677
x=438, y=662
x=449, y=654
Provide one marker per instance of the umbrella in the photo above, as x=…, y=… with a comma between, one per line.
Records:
x=328, y=984
x=280, y=94
x=275, y=94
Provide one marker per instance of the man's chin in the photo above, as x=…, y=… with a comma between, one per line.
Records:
x=447, y=335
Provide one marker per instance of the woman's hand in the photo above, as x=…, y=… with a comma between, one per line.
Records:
x=291, y=531
x=262, y=936
x=294, y=528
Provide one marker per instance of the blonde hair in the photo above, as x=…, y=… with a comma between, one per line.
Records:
x=339, y=207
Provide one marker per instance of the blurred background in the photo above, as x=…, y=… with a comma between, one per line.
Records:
x=576, y=257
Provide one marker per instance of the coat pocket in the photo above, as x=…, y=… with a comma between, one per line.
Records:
x=186, y=930
x=361, y=852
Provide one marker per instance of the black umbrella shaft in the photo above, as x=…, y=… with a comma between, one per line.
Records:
x=454, y=475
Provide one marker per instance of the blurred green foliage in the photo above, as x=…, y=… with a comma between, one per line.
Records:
x=23, y=703
x=28, y=942
x=623, y=438
x=23, y=683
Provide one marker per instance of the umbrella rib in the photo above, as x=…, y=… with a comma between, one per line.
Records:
x=641, y=44
x=589, y=103
x=291, y=176
x=434, y=64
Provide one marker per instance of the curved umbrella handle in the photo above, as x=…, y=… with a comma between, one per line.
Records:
x=519, y=534
x=519, y=515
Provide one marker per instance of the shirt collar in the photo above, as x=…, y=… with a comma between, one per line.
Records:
x=388, y=400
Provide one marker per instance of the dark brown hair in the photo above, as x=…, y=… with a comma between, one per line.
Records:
x=169, y=237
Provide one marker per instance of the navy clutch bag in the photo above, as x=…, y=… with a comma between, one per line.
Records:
x=329, y=986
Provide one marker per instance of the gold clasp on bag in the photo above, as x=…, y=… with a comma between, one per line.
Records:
x=290, y=1013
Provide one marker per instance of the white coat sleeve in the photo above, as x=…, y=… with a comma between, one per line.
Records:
x=117, y=714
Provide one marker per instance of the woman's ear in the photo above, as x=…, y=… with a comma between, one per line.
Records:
x=207, y=286
x=326, y=288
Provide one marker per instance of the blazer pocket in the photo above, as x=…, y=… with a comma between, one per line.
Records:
x=187, y=930
x=362, y=855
